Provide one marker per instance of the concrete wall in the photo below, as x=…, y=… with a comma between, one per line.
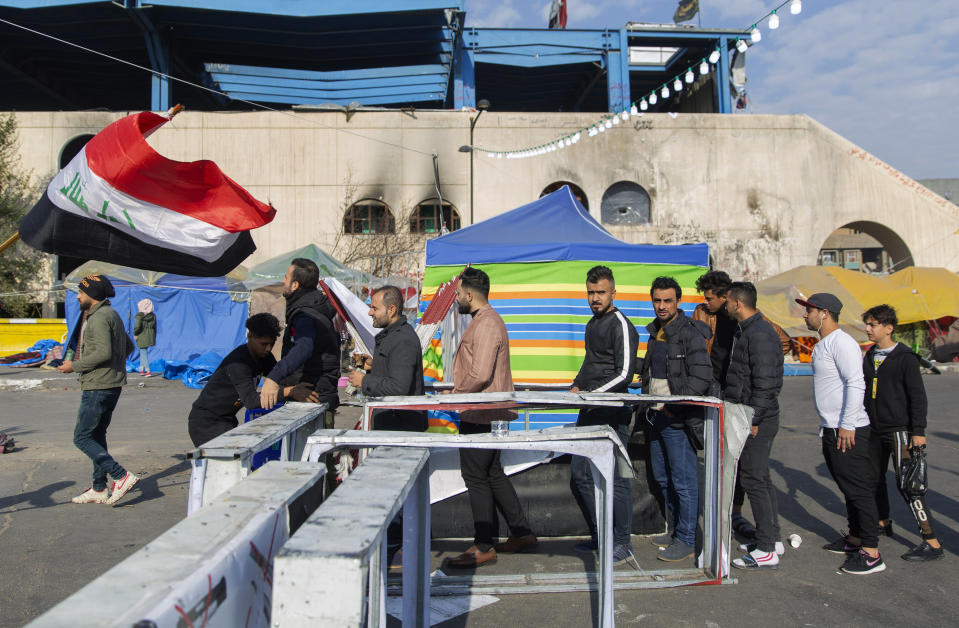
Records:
x=764, y=191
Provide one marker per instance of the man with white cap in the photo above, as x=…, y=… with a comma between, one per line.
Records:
x=847, y=441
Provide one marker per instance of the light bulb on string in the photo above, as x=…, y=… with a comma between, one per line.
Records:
x=653, y=98
x=568, y=142
x=602, y=128
x=741, y=45
x=615, y=119
x=634, y=110
x=499, y=155
x=690, y=77
x=624, y=115
x=773, y=21
x=665, y=92
x=714, y=57
x=608, y=124
x=755, y=34
x=704, y=68
x=796, y=7
x=643, y=104
x=677, y=85
x=576, y=137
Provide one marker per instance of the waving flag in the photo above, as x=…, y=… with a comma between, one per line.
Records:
x=557, y=14
x=120, y=201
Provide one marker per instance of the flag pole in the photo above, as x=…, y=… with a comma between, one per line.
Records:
x=10, y=241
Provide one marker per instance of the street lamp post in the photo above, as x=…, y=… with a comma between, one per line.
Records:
x=481, y=106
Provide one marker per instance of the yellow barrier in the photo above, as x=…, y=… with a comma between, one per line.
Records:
x=19, y=334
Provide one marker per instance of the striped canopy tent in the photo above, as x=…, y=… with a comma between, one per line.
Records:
x=537, y=257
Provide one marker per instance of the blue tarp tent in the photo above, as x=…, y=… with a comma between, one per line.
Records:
x=195, y=315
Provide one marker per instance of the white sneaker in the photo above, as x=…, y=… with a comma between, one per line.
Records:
x=91, y=496
x=748, y=547
x=122, y=487
x=757, y=559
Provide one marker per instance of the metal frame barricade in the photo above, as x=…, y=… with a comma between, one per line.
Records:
x=332, y=572
x=599, y=444
x=222, y=462
x=212, y=569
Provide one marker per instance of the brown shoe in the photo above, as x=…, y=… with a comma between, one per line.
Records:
x=517, y=544
x=472, y=558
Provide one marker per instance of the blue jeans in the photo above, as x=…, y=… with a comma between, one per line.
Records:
x=581, y=477
x=144, y=361
x=674, y=464
x=90, y=433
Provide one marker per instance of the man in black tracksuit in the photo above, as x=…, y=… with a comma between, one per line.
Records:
x=311, y=346
x=676, y=363
x=754, y=378
x=895, y=401
x=396, y=369
x=611, y=344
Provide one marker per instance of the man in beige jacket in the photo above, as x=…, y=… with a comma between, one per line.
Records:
x=482, y=365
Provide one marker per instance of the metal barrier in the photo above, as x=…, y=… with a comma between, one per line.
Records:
x=227, y=459
x=332, y=572
x=212, y=569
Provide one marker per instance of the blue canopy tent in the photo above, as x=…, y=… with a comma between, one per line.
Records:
x=199, y=319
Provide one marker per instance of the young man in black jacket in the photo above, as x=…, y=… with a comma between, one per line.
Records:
x=676, y=363
x=233, y=384
x=754, y=378
x=311, y=346
x=611, y=344
x=397, y=367
x=895, y=401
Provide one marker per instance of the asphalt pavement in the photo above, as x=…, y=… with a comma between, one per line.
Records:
x=50, y=547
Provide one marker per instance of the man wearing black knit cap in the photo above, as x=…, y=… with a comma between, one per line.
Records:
x=100, y=360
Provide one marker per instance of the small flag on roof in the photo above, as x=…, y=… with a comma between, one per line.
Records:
x=120, y=201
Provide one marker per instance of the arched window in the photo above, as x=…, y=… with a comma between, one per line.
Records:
x=576, y=190
x=625, y=203
x=428, y=217
x=368, y=216
x=71, y=148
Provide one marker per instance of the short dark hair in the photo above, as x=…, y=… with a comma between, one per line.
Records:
x=263, y=325
x=665, y=283
x=743, y=291
x=716, y=281
x=476, y=280
x=598, y=273
x=884, y=315
x=391, y=295
x=305, y=273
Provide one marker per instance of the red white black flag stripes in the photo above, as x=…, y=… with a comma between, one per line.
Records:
x=120, y=201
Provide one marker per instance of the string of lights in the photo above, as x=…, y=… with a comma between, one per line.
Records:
x=638, y=107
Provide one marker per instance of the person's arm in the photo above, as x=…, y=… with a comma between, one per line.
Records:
x=766, y=374
x=916, y=395
x=405, y=363
x=301, y=351
x=482, y=348
x=137, y=325
x=622, y=361
x=849, y=366
x=699, y=366
x=97, y=348
x=244, y=381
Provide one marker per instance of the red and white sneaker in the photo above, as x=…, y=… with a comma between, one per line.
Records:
x=91, y=496
x=757, y=559
x=122, y=487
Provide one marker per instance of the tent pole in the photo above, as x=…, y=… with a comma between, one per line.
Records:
x=10, y=241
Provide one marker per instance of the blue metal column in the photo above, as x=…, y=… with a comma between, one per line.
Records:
x=615, y=78
x=160, y=87
x=464, y=78
x=722, y=77
x=624, y=62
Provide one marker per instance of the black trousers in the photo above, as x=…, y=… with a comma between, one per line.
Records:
x=896, y=445
x=855, y=473
x=753, y=476
x=489, y=490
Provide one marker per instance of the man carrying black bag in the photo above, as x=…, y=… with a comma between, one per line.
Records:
x=896, y=403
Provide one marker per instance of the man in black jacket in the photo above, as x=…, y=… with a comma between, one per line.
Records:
x=676, y=363
x=311, y=346
x=397, y=368
x=896, y=403
x=611, y=343
x=754, y=378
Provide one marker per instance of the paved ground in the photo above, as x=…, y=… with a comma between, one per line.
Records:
x=51, y=547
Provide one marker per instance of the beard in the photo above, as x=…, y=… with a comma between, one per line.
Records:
x=464, y=308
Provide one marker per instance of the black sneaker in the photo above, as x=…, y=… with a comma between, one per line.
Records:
x=862, y=564
x=886, y=528
x=924, y=552
x=841, y=546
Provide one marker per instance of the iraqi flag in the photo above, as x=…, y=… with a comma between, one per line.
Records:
x=120, y=201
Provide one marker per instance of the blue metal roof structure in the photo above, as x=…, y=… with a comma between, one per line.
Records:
x=373, y=52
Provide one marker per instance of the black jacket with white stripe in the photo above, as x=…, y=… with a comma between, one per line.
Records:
x=611, y=345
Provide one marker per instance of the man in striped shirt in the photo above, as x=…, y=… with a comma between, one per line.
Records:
x=611, y=343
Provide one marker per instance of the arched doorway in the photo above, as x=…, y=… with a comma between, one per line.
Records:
x=575, y=189
x=868, y=247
